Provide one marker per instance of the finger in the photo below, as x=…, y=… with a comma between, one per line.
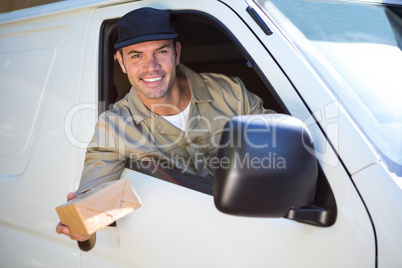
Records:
x=80, y=238
x=71, y=196
x=62, y=229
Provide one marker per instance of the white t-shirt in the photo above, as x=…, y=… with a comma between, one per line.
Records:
x=179, y=120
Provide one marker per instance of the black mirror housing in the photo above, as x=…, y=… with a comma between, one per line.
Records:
x=267, y=166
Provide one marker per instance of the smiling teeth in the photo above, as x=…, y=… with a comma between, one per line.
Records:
x=152, y=79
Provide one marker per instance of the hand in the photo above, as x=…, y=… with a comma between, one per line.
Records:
x=63, y=229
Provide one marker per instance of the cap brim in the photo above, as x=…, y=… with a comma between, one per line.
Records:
x=145, y=38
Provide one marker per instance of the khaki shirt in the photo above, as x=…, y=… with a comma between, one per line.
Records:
x=131, y=130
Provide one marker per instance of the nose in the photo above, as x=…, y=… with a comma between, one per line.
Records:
x=151, y=63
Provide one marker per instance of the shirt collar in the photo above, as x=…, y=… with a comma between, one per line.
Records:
x=198, y=88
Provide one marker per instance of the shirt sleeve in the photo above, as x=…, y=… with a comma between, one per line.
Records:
x=103, y=162
x=252, y=103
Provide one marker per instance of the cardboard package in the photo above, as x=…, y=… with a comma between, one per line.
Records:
x=99, y=207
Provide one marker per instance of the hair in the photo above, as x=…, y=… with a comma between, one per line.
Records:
x=174, y=44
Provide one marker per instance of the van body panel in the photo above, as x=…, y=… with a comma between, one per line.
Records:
x=382, y=195
x=29, y=62
x=41, y=79
x=184, y=229
x=49, y=84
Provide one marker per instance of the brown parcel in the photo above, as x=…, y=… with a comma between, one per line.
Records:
x=93, y=210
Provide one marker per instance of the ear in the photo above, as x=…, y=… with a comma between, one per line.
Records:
x=121, y=62
x=178, y=52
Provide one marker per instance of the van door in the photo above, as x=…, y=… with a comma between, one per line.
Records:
x=179, y=226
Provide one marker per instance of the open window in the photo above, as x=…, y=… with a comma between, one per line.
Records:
x=207, y=46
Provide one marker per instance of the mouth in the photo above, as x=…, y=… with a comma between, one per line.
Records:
x=152, y=80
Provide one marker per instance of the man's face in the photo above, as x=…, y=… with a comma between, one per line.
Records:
x=151, y=67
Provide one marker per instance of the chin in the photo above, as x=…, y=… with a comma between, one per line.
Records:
x=156, y=95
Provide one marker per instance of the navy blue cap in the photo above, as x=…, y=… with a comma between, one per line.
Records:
x=142, y=25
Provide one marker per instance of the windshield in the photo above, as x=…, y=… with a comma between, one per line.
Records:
x=356, y=48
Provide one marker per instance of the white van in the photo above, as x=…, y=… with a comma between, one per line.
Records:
x=335, y=66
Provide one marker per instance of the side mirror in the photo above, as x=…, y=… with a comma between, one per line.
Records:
x=266, y=168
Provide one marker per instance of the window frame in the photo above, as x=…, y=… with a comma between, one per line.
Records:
x=324, y=195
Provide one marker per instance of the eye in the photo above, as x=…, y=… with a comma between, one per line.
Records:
x=163, y=51
x=135, y=56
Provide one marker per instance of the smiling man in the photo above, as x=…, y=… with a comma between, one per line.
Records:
x=151, y=70
x=171, y=117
